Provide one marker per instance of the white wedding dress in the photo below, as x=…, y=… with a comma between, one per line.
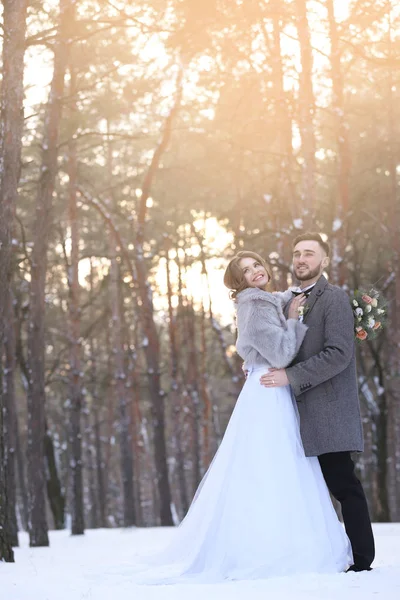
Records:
x=262, y=509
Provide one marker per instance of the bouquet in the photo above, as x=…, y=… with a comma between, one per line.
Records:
x=369, y=309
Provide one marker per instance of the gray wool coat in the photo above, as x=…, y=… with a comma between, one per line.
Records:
x=323, y=374
x=265, y=336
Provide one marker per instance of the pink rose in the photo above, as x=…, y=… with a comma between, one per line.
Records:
x=362, y=335
x=367, y=299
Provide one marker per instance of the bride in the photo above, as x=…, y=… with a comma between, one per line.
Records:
x=263, y=508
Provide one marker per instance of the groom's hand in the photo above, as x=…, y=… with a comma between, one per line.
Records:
x=274, y=378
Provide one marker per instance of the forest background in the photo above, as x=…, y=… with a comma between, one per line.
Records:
x=142, y=145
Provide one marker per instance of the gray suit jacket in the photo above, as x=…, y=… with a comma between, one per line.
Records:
x=323, y=374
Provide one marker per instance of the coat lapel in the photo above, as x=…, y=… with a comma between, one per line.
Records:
x=315, y=294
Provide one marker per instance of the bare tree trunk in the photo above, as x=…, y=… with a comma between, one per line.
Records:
x=53, y=484
x=152, y=347
x=6, y=551
x=110, y=419
x=23, y=494
x=284, y=119
x=93, y=508
x=36, y=331
x=137, y=445
x=133, y=386
x=126, y=457
x=285, y=205
x=99, y=462
x=204, y=392
x=175, y=395
x=75, y=373
x=393, y=407
x=14, y=28
x=203, y=375
x=10, y=424
x=152, y=352
x=339, y=270
x=19, y=452
x=382, y=513
x=307, y=111
x=120, y=375
x=192, y=378
x=101, y=488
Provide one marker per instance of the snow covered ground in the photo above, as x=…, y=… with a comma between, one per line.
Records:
x=98, y=566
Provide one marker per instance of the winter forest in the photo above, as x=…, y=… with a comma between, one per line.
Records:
x=143, y=144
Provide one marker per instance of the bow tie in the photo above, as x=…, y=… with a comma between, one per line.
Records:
x=306, y=293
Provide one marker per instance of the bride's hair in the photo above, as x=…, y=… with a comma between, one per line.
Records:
x=234, y=278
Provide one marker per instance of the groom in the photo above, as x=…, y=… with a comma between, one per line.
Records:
x=324, y=381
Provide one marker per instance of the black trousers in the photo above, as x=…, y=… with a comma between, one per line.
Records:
x=338, y=471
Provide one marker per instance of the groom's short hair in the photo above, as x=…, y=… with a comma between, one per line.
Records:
x=315, y=237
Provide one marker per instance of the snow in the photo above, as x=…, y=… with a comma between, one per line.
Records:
x=298, y=223
x=337, y=223
x=100, y=565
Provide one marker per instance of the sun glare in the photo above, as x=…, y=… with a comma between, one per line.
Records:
x=152, y=50
x=198, y=286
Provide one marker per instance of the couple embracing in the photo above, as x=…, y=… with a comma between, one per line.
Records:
x=263, y=508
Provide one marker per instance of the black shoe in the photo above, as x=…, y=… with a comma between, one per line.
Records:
x=357, y=569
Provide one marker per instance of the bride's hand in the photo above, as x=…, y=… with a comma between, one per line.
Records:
x=295, y=304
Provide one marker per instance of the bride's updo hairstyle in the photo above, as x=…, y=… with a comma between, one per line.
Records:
x=234, y=278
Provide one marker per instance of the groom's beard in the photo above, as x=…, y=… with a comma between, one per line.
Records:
x=308, y=274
